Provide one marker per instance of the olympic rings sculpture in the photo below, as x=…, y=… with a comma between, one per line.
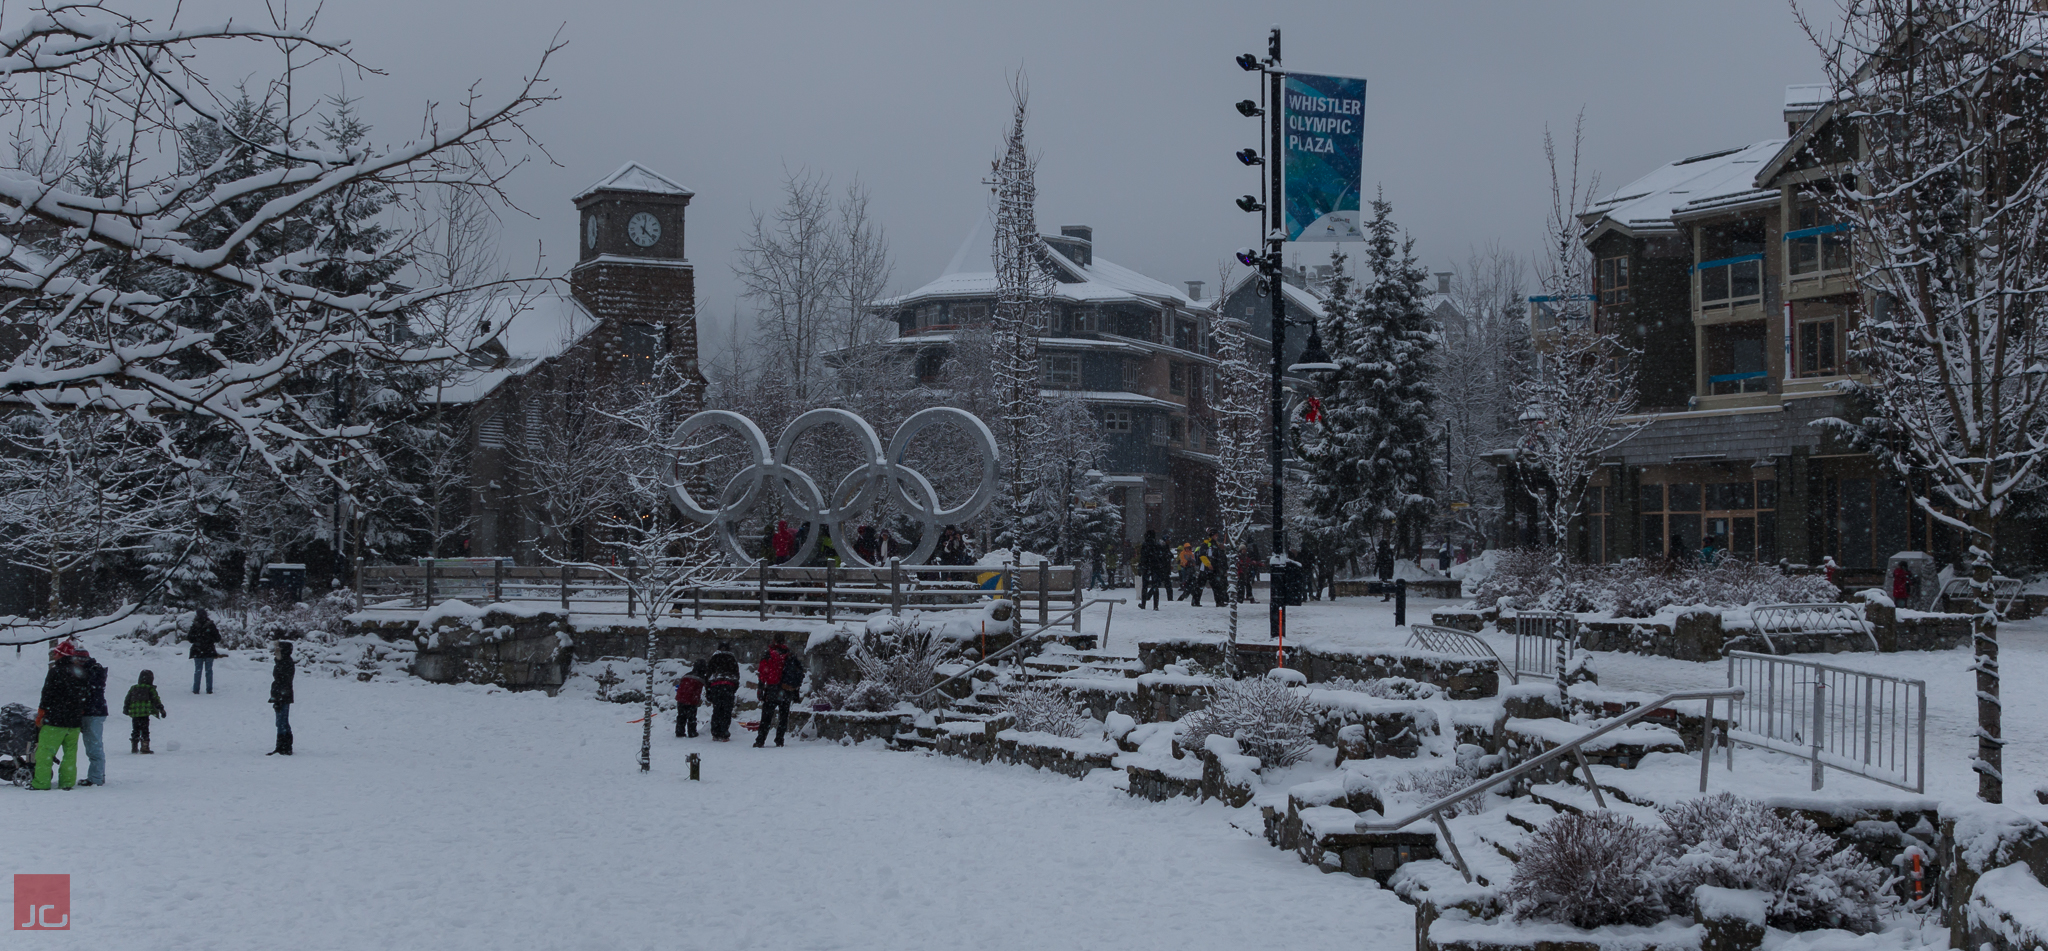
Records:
x=882, y=476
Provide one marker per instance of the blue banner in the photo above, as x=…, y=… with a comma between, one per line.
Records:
x=1324, y=125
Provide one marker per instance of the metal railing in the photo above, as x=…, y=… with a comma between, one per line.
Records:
x=1819, y=618
x=756, y=591
x=2004, y=591
x=1016, y=647
x=1544, y=641
x=1435, y=810
x=1450, y=640
x=1866, y=724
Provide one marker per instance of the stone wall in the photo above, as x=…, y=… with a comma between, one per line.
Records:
x=1463, y=678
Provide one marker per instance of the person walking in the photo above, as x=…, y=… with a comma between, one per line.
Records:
x=1203, y=565
x=58, y=716
x=689, y=695
x=205, y=638
x=784, y=542
x=1153, y=566
x=1247, y=573
x=1219, y=573
x=721, y=686
x=142, y=703
x=768, y=674
x=92, y=727
x=281, y=673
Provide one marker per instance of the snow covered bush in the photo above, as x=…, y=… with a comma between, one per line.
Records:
x=1590, y=870
x=897, y=661
x=1429, y=785
x=1267, y=718
x=1808, y=879
x=1526, y=579
x=1043, y=708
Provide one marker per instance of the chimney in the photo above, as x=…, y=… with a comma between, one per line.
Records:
x=1443, y=282
x=1085, y=234
x=1194, y=290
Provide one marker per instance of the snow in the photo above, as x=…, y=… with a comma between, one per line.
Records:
x=457, y=817
x=1731, y=903
x=635, y=177
x=1649, y=203
x=2013, y=903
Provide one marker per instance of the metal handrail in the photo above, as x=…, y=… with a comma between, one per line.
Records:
x=1435, y=809
x=1853, y=614
x=1429, y=636
x=1021, y=641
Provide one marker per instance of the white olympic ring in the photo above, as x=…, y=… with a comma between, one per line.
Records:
x=881, y=476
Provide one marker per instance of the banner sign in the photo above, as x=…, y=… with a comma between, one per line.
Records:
x=1323, y=120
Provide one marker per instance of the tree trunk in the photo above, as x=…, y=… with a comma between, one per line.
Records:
x=1990, y=760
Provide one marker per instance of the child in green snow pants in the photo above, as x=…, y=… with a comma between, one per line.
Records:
x=47, y=743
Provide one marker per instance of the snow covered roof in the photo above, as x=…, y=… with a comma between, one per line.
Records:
x=1689, y=186
x=531, y=330
x=1097, y=282
x=635, y=177
x=1805, y=96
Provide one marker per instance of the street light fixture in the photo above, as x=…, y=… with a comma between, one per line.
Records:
x=1249, y=203
x=1250, y=157
x=1249, y=109
x=1313, y=358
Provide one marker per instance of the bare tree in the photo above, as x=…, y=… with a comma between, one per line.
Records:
x=76, y=489
x=1940, y=147
x=87, y=336
x=1484, y=353
x=1576, y=402
x=791, y=266
x=1241, y=443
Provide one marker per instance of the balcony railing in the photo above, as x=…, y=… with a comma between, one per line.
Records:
x=1813, y=254
x=1729, y=282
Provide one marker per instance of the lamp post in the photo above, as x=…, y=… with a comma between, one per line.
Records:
x=1268, y=261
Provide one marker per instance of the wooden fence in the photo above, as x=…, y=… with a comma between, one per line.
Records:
x=760, y=592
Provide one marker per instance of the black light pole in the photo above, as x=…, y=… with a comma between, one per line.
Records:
x=1313, y=359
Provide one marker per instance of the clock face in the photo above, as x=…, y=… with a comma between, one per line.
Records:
x=590, y=231
x=644, y=229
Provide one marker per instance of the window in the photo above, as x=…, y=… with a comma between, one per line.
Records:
x=1731, y=267
x=1614, y=280
x=1727, y=496
x=490, y=434
x=639, y=346
x=1116, y=420
x=1819, y=246
x=1176, y=430
x=1134, y=376
x=1817, y=351
x=969, y=313
x=1682, y=497
x=1061, y=371
x=1177, y=379
x=1184, y=334
x=1735, y=358
x=1159, y=430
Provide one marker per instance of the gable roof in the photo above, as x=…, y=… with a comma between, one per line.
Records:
x=635, y=177
x=1690, y=186
x=531, y=330
x=1099, y=281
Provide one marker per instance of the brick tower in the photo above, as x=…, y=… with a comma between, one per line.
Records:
x=632, y=273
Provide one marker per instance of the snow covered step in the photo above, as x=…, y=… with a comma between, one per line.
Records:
x=1530, y=815
x=1564, y=797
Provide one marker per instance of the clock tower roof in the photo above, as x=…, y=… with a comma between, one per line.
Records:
x=635, y=177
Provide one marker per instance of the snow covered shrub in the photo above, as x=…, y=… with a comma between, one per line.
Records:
x=260, y=623
x=1430, y=785
x=896, y=663
x=1386, y=688
x=1809, y=881
x=1526, y=579
x=1590, y=870
x=1521, y=577
x=1267, y=718
x=1042, y=708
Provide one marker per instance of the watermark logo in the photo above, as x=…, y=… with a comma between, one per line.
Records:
x=42, y=902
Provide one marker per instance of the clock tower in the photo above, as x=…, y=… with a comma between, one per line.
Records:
x=631, y=272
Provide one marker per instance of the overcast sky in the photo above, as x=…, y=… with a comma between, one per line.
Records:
x=1131, y=107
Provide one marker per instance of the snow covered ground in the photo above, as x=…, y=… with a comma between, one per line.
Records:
x=421, y=816
x=417, y=815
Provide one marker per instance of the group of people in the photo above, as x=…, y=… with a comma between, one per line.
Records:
x=1199, y=565
x=72, y=711
x=778, y=678
x=874, y=545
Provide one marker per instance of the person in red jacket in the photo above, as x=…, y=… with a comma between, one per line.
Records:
x=783, y=542
x=689, y=695
x=774, y=700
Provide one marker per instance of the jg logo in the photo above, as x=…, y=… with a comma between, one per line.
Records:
x=42, y=902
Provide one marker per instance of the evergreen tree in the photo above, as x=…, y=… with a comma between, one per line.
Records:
x=1370, y=454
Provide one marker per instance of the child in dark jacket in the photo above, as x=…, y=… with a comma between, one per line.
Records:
x=689, y=694
x=141, y=703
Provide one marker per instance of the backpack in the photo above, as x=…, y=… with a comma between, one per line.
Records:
x=769, y=671
x=792, y=674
